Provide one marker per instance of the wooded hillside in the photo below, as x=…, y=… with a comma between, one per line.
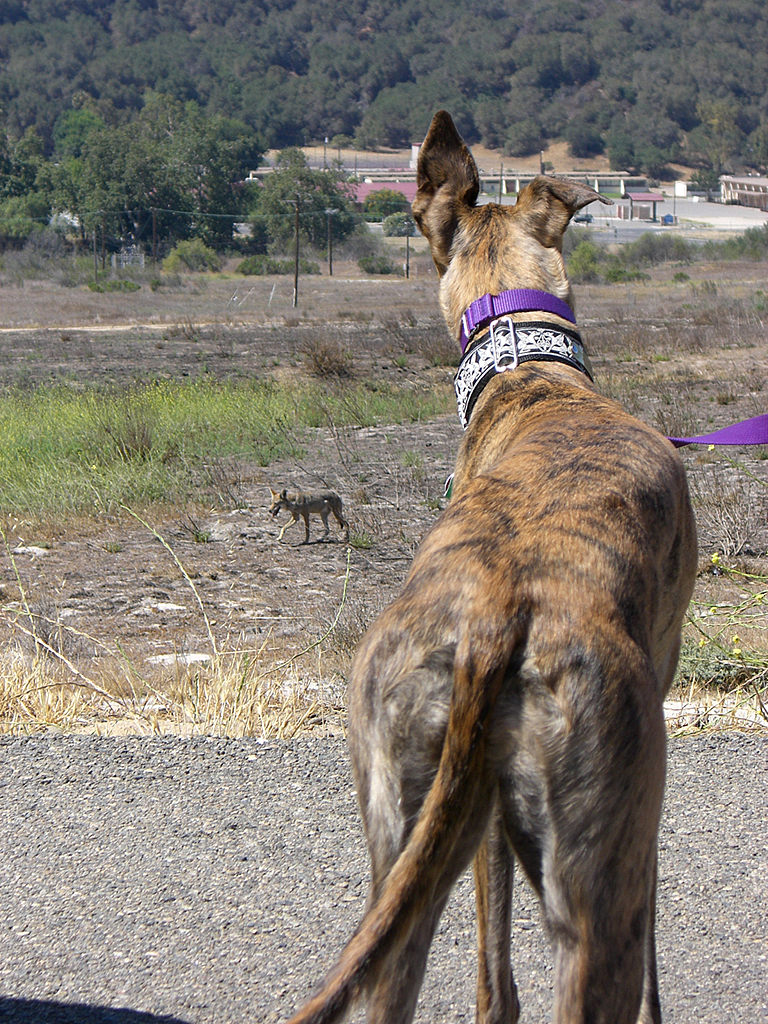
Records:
x=646, y=81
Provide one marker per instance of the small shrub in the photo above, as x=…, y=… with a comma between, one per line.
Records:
x=191, y=255
x=399, y=225
x=114, y=286
x=378, y=265
x=327, y=357
x=583, y=263
x=619, y=275
x=361, y=541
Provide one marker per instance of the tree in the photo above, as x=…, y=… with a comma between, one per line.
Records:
x=758, y=147
x=24, y=192
x=584, y=138
x=171, y=159
x=72, y=129
x=383, y=202
x=316, y=191
x=718, y=136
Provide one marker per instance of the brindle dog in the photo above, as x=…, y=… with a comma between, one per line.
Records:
x=509, y=703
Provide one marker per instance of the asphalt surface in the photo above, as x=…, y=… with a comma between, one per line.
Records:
x=205, y=880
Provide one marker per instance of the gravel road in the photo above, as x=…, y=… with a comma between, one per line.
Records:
x=196, y=881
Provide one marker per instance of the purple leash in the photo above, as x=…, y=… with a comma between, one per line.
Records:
x=525, y=300
x=753, y=431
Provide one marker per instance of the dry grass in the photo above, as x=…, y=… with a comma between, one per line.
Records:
x=231, y=691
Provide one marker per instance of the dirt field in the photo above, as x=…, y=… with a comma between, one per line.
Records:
x=686, y=356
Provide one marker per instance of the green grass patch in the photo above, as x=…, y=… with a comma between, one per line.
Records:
x=66, y=452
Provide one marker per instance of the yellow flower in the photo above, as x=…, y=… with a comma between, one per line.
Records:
x=710, y=448
x=702, y=642
x=715, y=559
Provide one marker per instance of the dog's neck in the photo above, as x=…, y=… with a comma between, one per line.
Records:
x=488, y=308
x=507, y=344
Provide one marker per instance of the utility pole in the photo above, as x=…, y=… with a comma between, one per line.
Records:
x=296, y=204
x=329, y=214
x=409, y=226
x=154, y=238
x=95, y=257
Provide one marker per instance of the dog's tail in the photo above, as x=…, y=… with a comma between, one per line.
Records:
x=459, y=786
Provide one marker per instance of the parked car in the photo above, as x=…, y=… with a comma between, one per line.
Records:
x=583, y=218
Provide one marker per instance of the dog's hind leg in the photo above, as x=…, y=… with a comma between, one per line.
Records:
x=599, y=860
x=343, y=524
x=650, y=1010
x=324, y=517
x=497, y=1001
x=394, y=993
x=305, y=517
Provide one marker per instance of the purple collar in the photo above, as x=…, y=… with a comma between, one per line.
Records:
x=518, y=300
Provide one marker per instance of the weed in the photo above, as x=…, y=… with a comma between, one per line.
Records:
x=730, y=510
x=723, y=670
x=226, y=478
x=378, y=265
x=326, y=357
x=440, y=350
x=191, y=527
x=361, y=541
x=704, y=288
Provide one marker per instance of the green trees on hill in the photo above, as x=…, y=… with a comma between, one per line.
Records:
x=165, y=104
x=514, y=72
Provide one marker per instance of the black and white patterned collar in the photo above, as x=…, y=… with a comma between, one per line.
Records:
x=506, y=346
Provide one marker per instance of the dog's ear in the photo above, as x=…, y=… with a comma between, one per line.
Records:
x=447, y=181
x=547, y=204
x=284, y=493
x=275, y=494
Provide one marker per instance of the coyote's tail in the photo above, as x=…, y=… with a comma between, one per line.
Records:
x=479, y=670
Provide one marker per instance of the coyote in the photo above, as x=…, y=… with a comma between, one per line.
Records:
x=299, y=504
x=509, y=704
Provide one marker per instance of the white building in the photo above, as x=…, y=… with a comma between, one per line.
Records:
x=747, y=191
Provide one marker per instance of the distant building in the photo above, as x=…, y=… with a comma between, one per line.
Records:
x=642, y=206
x=406, y=188
x=747, y=191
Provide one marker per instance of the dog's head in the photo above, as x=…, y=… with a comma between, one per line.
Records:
x=278, y=497
x=480, y=250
